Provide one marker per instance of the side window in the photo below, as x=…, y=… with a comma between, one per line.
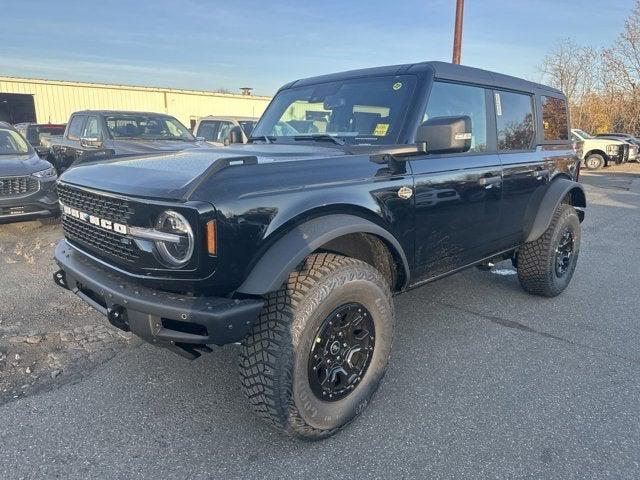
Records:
x=450, y=99
x=554, y=118
x=207, y=130
x=514, y=119
x=92, y=128
x=75, y=127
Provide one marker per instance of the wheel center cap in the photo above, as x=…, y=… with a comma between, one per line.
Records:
x=334, y=348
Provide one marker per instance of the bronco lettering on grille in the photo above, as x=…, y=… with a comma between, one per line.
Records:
x=93, y=220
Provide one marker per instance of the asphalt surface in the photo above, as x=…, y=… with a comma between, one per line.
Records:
x=485, y=381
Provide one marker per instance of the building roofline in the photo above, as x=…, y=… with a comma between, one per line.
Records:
x=139, y=88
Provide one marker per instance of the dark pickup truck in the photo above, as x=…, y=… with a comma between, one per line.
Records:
x=99, y=134
x=295, y=243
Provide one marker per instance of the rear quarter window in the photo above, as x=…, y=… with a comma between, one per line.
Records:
x=554, y=119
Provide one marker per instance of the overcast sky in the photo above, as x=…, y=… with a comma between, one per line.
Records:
x=207, y=45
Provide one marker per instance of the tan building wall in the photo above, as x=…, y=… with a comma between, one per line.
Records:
x=56, y=100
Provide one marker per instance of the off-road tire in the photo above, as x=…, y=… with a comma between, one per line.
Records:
x=594, y=161
x=537, y=259
x=273, y=361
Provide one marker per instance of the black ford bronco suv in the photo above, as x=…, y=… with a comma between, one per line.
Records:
x=353, y=187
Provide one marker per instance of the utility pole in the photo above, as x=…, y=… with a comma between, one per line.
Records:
x=457, y=34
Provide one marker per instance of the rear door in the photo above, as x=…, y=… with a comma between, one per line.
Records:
x=525, y=168
x=457, y=196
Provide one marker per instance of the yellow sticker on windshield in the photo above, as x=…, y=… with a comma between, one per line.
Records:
x=381, y=129
x=397, y=86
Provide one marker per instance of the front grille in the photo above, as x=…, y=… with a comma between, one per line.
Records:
x=114, y=209
x=104, y=243
x=15, y=186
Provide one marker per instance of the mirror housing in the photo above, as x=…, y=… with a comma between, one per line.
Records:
x=235, y=136
x=445, y=135
x=91, y=142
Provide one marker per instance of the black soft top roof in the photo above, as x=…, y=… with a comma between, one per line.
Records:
x=440, y=70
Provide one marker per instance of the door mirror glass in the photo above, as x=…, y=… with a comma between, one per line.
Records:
x=445, y=135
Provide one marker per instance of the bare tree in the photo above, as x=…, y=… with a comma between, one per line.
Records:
x=571, y=68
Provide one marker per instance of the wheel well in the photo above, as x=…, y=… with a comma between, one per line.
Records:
x=370, y=249
x=576, y=198
x=597, y=152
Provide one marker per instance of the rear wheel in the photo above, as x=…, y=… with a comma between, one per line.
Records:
x=319, y=350
x=546, y=265
x=594, y=161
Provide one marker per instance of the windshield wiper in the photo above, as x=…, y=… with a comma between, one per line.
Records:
x=321, y=137
x=264, y=138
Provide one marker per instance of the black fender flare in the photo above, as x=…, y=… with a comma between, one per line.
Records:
x=275, y=265
x=558, y=189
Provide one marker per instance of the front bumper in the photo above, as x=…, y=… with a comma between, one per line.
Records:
x=40, y=204
x=182, y=323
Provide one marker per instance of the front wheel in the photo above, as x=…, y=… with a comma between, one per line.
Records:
x=546, y=265
x=594, y=161
x=318, y=351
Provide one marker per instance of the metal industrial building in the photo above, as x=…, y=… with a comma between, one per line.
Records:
x=53, y=101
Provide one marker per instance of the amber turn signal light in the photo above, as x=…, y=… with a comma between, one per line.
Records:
x=212, y=246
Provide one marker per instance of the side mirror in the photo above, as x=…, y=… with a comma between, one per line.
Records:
x=91, y=142
x=445, y=135
x=235, y=136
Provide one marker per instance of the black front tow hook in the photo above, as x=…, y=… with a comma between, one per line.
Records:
x=61, y=279
x=117, y=317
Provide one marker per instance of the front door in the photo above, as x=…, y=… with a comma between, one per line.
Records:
x=457, y=196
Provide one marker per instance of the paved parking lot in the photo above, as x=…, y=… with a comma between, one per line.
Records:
x=485, y=381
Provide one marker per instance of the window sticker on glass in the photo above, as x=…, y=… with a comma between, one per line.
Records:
x=498, y=105
x=397, y=85
x=381, y=129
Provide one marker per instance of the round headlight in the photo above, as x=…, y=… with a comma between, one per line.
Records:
x=176, y=251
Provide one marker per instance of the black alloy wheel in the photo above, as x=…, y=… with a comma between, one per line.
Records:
x=564, y=252
x=341, y=352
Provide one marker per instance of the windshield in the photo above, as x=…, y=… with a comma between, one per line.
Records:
x=357, y=111
x=148, y=127
x=583, y=134
x=12, y=143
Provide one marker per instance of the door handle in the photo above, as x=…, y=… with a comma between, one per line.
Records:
x=489, y=182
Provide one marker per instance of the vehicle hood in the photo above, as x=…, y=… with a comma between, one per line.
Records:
x=133, y=146
x=172, y=176
x=13, y=166
x=603, y=141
